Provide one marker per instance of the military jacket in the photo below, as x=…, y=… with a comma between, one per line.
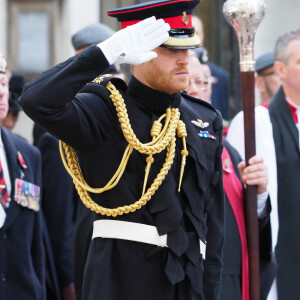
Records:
x=22, y=266
x=84, y=117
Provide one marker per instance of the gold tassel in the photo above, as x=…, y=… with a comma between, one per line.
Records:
x=181, y=132
x=155, y=131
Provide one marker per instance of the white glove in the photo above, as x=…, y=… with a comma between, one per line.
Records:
x=133, y=44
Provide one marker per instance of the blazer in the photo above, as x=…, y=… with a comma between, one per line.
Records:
x=120, y=269
x=22, y=267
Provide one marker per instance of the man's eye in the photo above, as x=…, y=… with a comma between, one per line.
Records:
x=171, y=50
x=201, y=82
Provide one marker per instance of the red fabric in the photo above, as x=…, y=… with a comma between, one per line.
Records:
x=3, y=190
x=293, y=111
x=292, y=108
x=266, y=105
x=225, y=131
x=234, y=192
x=21, y=160
x=174, y=22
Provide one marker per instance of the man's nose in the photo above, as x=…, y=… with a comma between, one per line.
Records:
x=192, y=89
x=183, y=57
x=2, y=90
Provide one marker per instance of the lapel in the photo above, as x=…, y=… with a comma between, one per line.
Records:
x=281, y=111
x=12, y=162
x=192, y=139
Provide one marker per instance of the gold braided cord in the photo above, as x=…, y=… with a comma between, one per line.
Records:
x=89, y=203
x=162, y=138
x=153, y=147
x=77, y=176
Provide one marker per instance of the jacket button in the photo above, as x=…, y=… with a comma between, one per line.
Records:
x=3, y=277
x=4, y=236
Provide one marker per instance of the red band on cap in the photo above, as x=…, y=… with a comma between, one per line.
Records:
x=174, y=22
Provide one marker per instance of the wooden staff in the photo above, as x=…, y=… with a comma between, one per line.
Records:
x=245, y=16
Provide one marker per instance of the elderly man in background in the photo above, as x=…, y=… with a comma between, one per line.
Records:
x=266, y=80
x=22, y=260
x=200, y=80
x=220, y=88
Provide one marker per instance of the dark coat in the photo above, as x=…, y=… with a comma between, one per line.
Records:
x=220, y=90
x=59, y=205
x=120, y=269
x=286, y=139
x=22, y=269
x=82, y=239
x=75, y=225
x=232, y=256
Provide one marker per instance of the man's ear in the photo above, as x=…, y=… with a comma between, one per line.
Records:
x=280, y=69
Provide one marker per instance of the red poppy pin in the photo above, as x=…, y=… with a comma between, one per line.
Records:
x=21, y=160
x=226, y=165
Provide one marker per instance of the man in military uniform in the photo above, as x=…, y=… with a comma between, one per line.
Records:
x=149, y=223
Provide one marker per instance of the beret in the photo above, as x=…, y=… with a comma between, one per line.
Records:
x=91, y=34
x=202, y=54
x=265, y=60
x=16, y=84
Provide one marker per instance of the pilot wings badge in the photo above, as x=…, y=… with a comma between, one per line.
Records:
x=200, y=123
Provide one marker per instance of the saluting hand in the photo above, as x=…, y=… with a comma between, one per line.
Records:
x=134, y=44
x=255, y=174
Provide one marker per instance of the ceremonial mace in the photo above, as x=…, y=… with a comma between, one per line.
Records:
x=245, y=16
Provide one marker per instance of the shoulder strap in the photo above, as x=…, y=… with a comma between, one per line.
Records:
x=105, y=79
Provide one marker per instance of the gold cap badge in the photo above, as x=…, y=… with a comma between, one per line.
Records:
x=185, y=18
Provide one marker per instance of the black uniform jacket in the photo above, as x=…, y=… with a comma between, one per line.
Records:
x=59, y=205
x=21, y=247
x=232, y=255
x=119, y=269
x=286, y=139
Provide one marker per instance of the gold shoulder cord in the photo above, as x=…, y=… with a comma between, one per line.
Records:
x=161, y=138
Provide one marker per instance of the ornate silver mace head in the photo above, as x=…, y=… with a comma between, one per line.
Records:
x=245, y=16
